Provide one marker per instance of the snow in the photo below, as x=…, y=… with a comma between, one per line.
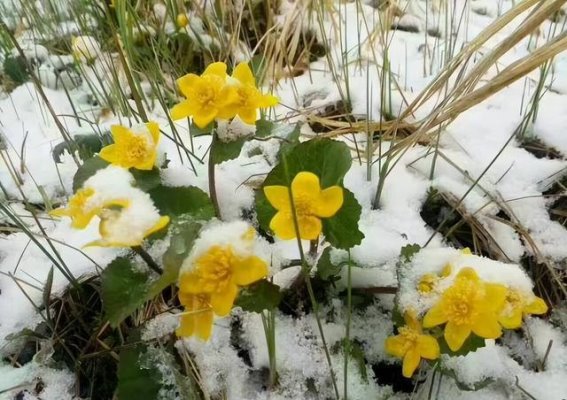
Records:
x=476, y=160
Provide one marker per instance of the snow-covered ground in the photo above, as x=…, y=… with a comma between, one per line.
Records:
x=478, y=146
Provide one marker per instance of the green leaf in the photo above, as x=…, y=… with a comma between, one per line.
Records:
x=342, y=229
x=262, y=295
x=137, y=382
x=357, y=354
x=86, y=146
x=224, y=151
x=183, y=235
x=146, y=180
x=329, y=159
x=88, y=169
x=196, y=131
x=47, y=293
x=264, y=128
x=183, y=200
x=16, y=68
x=292, y=140
x=408, y=251
x=326, y=270
x=124, y=289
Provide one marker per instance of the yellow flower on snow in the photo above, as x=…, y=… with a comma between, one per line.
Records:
x=115, y=232
x=219, y=273
x=76, y=209
x=133, y=148
x=428, y=282
x=249, y=98
x=310, y=202
x=412, y=345
x=517, y=305
x=469, y=305
x=206, y=95
x=198, y=316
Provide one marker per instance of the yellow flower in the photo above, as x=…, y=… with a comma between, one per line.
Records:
x=249, y=98
x=114, y=233
x=310, y=202
x=517, y=305
x=412, y=345
x=182, y=20
x=428, y=282
x=77, y=209
x=219, y=273
x=132, y=148
x=469, y=305
x=206, y=95
x=198, y=316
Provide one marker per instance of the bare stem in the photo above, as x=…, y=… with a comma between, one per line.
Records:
x=147, y=259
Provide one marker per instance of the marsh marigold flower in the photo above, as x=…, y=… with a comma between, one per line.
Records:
x=198, y=316
x=311, y=204
x=77, y=209
x=182, y=20
x=219, y=273
x=469, y=305
x=249, y=99
x=412, y=345
x=133, y=148
x=206, y=95
x=517, y=305
x=428, y=282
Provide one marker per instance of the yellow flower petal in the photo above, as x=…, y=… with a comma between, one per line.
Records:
x=455, y=335
x=309, y=227
x=249, y=270
x=468, y=273
x=153, y=127
x=109, y=154
x=183, y=110
x=411, y=362
x=217, y=68
x=223, y=301
x=191, y=283
x=119, y=133
x=243, y=73
x=282, y=225
x=487, y=326
x=204, y=324
x=411, y=321
x=511, y=319
x=306, y=186
x=204, y=117
x=160, y=224
x=329, y=202
x=435, y=316
x=278, y=196
x=187, y=83
x=395, y=346
x=428, y=347
x=495, y=295
x=537, y=306
x=186, y=326
x=268, y=101
x=81, y=221
x=248, y=115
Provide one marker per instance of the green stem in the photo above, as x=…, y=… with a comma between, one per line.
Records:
x=212, y=181
x=346, y=352
x=269, y=322
x=147, y=259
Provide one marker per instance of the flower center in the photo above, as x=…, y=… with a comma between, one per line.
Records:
x=137, y=149
x=409, y=337
x=302, y=204
x=80, y=198
x=215, y=268
x=460, y=307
